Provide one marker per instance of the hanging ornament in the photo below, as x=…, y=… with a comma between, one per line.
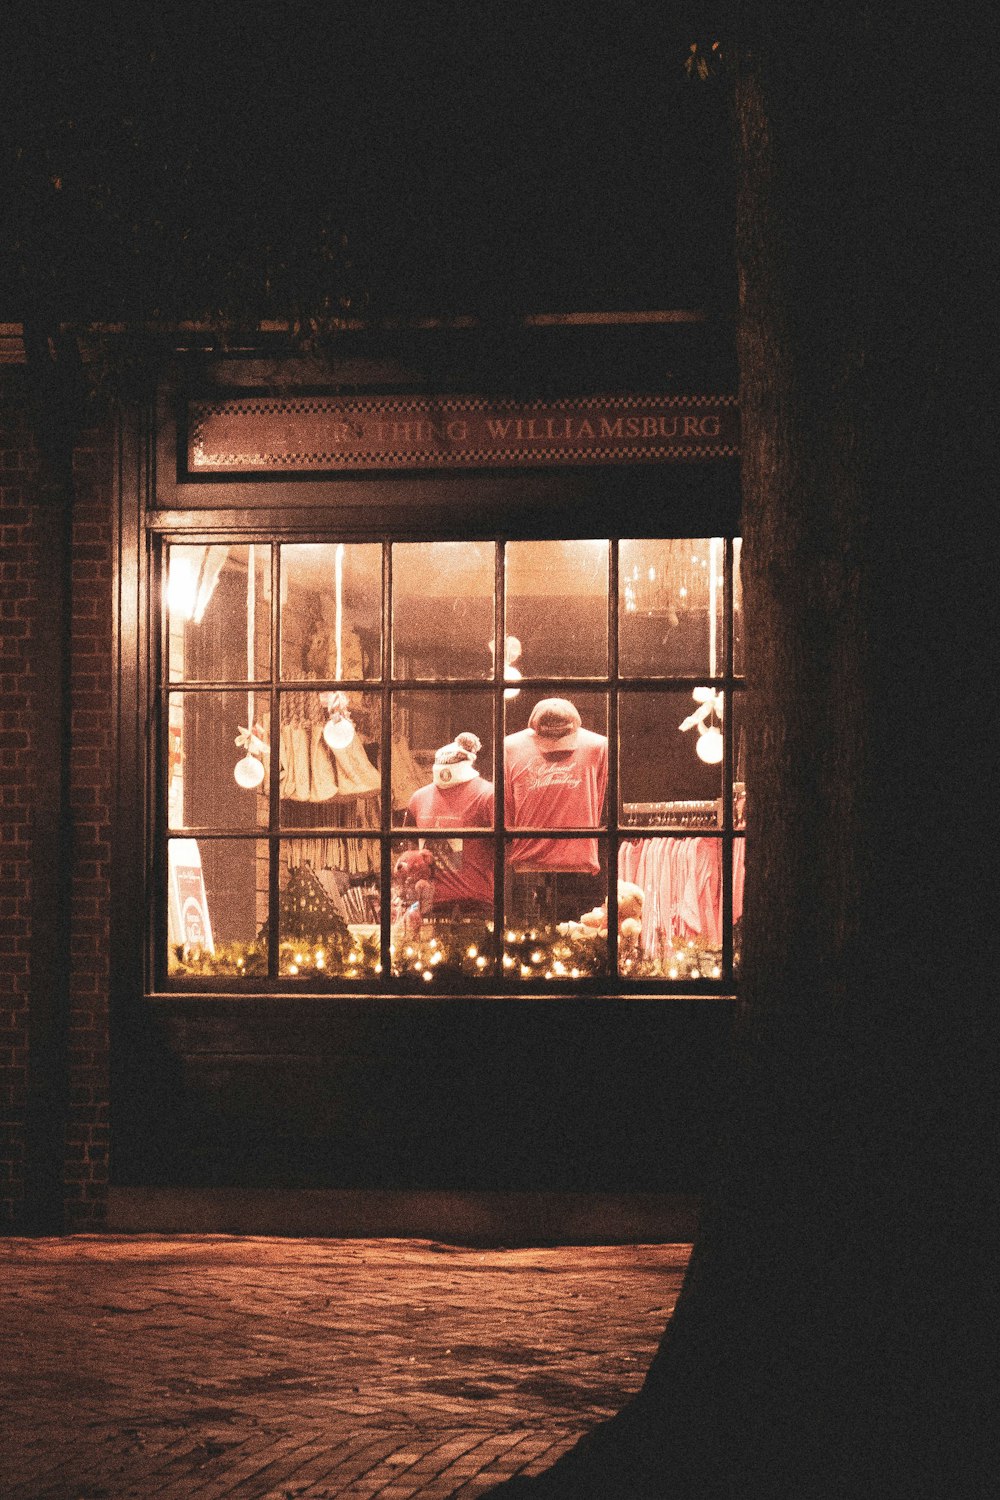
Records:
x=710, y=703
x=249, y=772
x=709, y=747
x=511, y=654
x=338, y=731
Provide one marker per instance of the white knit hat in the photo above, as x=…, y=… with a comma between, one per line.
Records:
x=453, y=763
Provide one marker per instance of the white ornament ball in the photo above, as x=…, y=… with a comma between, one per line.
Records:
x=338, y=733
x=709, y=746
x=249, y=773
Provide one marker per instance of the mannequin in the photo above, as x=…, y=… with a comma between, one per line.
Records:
x=457, y=797
x=555, y=776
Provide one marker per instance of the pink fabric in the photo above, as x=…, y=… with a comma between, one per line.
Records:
x=555, y=789
x=707, y=874
x=466, y=873
x=681, y=881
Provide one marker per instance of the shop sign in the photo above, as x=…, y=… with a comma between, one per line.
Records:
x=310, y=434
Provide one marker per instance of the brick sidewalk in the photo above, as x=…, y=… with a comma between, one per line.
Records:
x=208, y=1366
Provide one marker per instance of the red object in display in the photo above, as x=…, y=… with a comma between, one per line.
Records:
x=464, y=874
x=549, y=788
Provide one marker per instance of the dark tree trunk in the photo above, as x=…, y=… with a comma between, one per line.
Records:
x=825, y=1343
x=55, y=386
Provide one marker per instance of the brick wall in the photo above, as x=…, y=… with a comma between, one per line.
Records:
x=91, y=769
x=23, y=718
x=18, y=606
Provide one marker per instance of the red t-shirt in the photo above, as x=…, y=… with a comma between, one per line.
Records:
x=546, y=788
x=466, y=873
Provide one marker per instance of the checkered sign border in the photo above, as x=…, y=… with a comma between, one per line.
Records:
x=243, y=436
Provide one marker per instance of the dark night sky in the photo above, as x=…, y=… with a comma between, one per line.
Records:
x=479, y=156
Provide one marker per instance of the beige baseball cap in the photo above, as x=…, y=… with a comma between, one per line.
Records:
x=556, y=723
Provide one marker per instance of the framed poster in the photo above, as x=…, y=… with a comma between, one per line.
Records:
x=188, y=922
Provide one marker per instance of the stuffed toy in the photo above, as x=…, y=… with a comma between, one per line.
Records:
x=594, y=923
x=413, y=889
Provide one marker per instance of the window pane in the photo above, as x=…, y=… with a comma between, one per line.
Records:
x=217, y=907
x=213, y=782
x=668, y=775
x=739, y=878
x=331, y=611
x=557, y=608
x=443, y=612
x=556, y=771
x=329, y=768
x=212, y=592
x=738, y=648
x=556, y=911
x=739, y=760
x=328, y=909
x=442, y=907
x=671, y=608
x=456, y=789
x=671, y=888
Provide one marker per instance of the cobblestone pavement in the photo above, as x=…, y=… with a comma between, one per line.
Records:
x=197, y=1367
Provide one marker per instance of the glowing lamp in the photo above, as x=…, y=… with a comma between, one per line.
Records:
x=191, y=580
x=182, y=588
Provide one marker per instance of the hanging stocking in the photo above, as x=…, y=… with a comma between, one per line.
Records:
x=356, y=776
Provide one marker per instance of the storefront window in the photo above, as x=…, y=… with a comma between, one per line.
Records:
x=443, y=814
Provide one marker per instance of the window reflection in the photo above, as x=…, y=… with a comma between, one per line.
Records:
x=435, y=729
x=442, y=906
x=671, y=607
x=328, y=909
x=218, y=624
x=663, y=779
x=555, y=910
x=443, y=614
x=331, y=611
x=217, y=907
x=557, y=607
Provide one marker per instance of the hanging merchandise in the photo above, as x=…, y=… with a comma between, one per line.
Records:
x=312, y=771
x=339, y=728
x=710, y=745
x=356, y=776
x=249, y=772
